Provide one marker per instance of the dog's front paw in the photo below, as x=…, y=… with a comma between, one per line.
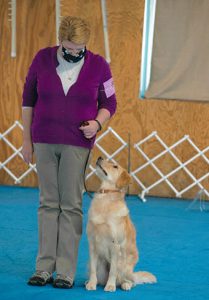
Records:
x=110, y=288
x=91, y=286
x=126, y=286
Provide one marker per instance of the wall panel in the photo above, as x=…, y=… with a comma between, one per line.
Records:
x=172, y=119
x=35, y=30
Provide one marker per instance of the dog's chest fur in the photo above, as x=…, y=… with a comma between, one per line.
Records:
x=107, y=221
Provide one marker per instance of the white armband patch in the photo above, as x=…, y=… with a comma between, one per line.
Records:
x=109, y=88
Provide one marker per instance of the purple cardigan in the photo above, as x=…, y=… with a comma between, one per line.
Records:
x=56, y=117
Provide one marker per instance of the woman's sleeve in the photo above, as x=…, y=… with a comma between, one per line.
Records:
x=106, y=97
x=30, y=94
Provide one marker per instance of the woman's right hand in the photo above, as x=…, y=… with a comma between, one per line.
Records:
x=27, y=151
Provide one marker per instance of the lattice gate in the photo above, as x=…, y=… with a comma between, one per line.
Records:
x=121, y=145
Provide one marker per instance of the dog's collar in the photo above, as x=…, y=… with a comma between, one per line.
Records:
x=105, y=191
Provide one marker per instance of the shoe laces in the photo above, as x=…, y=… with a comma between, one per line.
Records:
x=44, y=274
x=63, y=277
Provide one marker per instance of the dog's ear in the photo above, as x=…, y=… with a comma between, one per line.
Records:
x=123, y=180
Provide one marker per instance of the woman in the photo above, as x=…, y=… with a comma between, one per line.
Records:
x=68, y=95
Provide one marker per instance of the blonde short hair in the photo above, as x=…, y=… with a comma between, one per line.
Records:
x=74, y=29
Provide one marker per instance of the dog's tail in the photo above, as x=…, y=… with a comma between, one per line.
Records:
x=144, y=277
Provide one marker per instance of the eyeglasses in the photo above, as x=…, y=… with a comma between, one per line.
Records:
x=75, y=52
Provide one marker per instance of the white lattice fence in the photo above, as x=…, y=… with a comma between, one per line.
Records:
x=32, y=167
x=181, y=166
x=112, y=134
x=16, y=152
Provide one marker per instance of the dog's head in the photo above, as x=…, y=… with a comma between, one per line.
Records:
x=112, y=174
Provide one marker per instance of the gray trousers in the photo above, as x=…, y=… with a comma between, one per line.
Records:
x=61, y=182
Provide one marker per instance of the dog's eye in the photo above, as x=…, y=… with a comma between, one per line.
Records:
x=116, y=167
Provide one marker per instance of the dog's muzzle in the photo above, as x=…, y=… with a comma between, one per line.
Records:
x=98, y=163
x=99, y=160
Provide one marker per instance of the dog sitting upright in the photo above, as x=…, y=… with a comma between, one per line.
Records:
x=111, y=234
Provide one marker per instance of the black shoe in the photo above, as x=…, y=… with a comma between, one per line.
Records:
x=63, y=282
x=40, y=278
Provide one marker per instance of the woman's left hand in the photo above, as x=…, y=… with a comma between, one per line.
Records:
x=89, y=128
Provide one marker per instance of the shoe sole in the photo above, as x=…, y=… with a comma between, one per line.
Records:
x=62, y=285
x=39, y=283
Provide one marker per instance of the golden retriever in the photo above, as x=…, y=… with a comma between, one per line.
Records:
x=111, y=234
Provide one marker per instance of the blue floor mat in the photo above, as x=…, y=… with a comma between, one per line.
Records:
x=173, y=243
